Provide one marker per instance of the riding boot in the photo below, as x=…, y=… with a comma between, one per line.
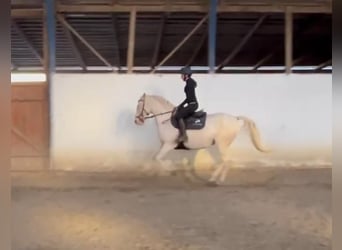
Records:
x=182, y=135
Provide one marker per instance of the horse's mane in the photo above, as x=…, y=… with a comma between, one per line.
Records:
x=163, y=101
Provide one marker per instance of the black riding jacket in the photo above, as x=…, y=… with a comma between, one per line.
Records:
x=189, y=90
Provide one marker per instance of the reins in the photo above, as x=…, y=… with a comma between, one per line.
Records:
x=152, y=116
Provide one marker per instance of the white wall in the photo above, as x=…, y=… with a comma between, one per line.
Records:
x=93, y=116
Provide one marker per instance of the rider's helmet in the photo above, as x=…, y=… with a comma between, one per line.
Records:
x=186, y=71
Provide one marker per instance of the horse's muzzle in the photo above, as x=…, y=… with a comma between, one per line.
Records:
x=139, y=120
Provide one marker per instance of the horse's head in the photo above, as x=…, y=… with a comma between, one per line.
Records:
x=150, y=104
x=142, y=110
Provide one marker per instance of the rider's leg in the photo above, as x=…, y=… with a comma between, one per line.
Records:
x=181, y=112
x=182, y=131
x=181, y=115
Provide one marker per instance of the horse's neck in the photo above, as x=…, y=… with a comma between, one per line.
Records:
x=159, y=108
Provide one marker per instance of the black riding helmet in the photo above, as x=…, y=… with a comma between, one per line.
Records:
x=186, y=70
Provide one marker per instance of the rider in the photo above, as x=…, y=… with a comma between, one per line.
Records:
x=189, y=105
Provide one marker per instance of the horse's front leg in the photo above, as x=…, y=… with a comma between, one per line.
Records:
x=164, y=149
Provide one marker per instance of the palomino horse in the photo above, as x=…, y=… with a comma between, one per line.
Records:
x=217, y=129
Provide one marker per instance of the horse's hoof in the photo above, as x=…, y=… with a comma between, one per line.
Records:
x=212, y=184
x=150, y=173
x=166, y=173
x=173, y=173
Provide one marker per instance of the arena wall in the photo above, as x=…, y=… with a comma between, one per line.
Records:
x=92, y=118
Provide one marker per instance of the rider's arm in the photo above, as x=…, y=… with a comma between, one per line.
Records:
x=186, y=95
x=185, y=101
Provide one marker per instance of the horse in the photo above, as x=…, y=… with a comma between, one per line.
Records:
x=203, y=130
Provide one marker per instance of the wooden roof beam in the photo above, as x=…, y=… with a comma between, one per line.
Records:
x=288, y=41
x=297, y=34
x=295, y=8
x=116, y=40
x=323, y=65
x=159, y=40
x=180, y=44
x=198, y=48
x=223, y=8
x=27, y=13
x=23, y=36
x=131, y=40
x=92, y=49
x=74, y=47
x=239, y=46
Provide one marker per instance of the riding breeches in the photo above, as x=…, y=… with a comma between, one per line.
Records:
x=184, y=112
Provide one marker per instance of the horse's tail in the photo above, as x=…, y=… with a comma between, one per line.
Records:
x=254, y=134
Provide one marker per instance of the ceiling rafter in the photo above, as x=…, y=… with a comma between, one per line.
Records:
x=74, y=47
x=116, y=40
x=24, y=37
x=278, y=6
x=299, y=33
x=159, y=39
x=107, y=27
x=239, y=46
x=180, y=44
x=62, y=20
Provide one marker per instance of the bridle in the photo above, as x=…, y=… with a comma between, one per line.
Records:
x=142, y=116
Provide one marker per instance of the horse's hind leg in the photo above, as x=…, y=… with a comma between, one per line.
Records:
x=215, y=174
x=223, y=168
x=217, y=155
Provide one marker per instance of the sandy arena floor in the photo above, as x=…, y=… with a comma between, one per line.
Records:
x=264, y=209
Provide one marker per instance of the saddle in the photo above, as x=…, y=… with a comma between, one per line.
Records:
x=194, y=122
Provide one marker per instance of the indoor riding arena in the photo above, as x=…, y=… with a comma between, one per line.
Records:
x=95, y=159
